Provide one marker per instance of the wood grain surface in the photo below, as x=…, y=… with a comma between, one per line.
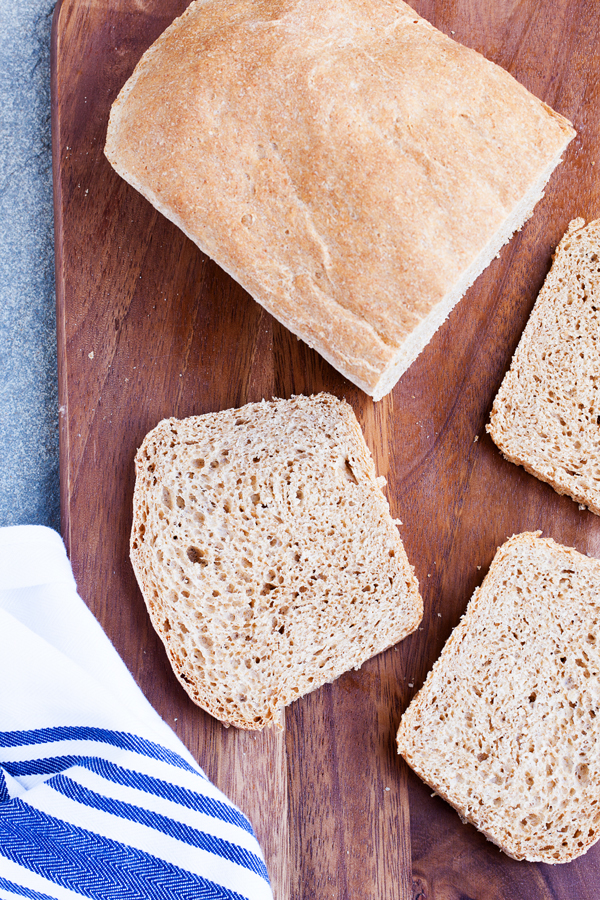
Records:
x=148, y=327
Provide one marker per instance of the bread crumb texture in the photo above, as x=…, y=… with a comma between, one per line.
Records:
x=546, y=416
x=266, y=554
x=507, y=725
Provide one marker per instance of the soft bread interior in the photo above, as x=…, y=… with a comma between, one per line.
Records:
x=507, y=725
x=266, y=554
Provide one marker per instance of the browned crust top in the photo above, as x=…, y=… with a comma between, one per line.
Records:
x=345, y=161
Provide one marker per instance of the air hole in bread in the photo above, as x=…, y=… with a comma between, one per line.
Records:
x=348, y=472
x=196, y=556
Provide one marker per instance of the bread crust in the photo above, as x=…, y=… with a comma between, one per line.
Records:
x=266, y=555
x=504, y=728
x=351, y=166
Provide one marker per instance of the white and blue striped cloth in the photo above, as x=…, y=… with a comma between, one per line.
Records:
x=98, y=797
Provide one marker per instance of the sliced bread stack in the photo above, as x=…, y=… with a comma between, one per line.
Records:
x=507, y=725
x=546, y=416
x=266, y=554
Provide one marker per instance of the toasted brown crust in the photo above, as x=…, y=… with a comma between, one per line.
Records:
x=505, y=727
x=546, y=415
x=266, y=554
x=351, y=166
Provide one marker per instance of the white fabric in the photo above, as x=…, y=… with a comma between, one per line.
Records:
x=98, y=797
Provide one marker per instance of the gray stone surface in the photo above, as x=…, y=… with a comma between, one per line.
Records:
x=29, y=483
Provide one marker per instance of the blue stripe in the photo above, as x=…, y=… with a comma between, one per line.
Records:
x=101, y=735
x=50, y=765
x=178, y=830
x=23, y=891
x=53, y=765
x=173, y=792
x=95, y=866
x=4, y=795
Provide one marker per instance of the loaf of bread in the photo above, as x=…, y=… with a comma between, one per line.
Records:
x=351, y=166
x=265, y=551
x=546, y=416
x=507, y=725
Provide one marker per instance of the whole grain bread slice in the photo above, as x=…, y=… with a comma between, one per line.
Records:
x=546, y=415
x=507, y=725
x=352, y=167
x=266, y=554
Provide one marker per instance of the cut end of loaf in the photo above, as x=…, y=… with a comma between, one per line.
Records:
x=266, y=553
x=546, y=416
x=426, y=329
x=507, y=725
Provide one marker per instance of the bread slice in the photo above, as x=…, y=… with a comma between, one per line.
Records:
x=351, y=166
x=507, y=725
x=546, y=416
x=265, y=551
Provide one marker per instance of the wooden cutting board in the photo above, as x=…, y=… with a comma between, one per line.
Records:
x=148, y=327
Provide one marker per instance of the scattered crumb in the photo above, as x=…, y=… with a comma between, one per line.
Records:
x=411, y=684
x=91, y=355
x=388, y=789
x=581, y=506
x=476, y=438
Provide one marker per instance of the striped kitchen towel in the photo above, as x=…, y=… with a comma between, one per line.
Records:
x=98, y=797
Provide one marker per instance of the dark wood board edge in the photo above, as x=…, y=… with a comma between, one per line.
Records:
x=59, y=282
